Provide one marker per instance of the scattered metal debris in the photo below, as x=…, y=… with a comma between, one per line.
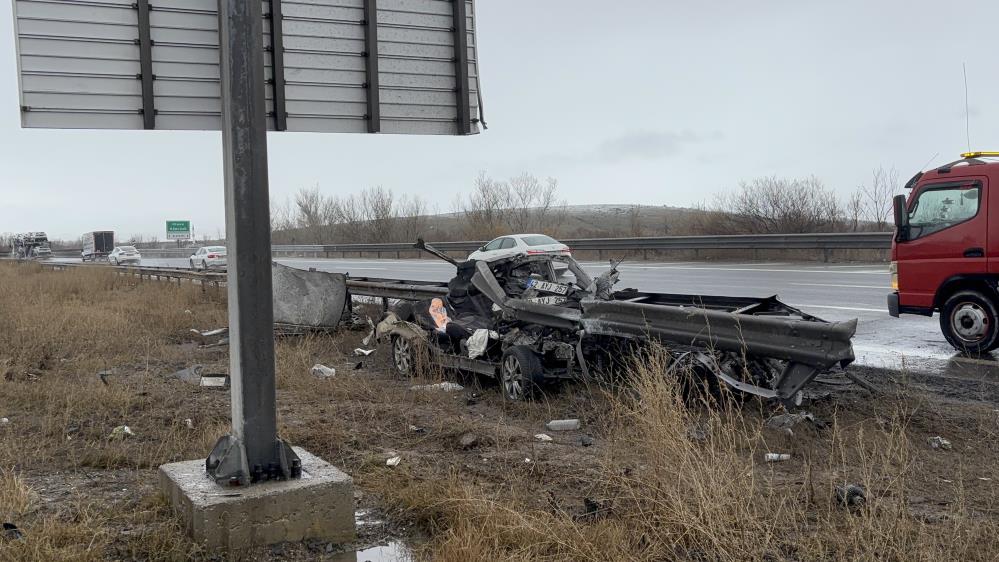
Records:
x=441, y=386
x=363, y=352
x=777, y=457
x=188, y=423
x=543, y=437
x=121, y=432
x=394, y=461
x=322, y=371
x=417, y=429
x=586, y=441
x=939, y=443
x=4, y=421
x=210, y=333
x=308, y=298
x=851, y=495
x=215, y=381
x=190, y=374
x=563, y=425
x=103, y=375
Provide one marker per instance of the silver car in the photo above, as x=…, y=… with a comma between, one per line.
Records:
x=124, y=254
x=209, y=257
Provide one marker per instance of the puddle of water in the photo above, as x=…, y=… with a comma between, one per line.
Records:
x=392, y=552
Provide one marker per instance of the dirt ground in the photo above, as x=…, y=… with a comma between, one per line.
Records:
x=646, y=477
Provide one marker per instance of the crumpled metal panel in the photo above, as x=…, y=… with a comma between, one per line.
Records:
x=308, y=298
x=818, y=344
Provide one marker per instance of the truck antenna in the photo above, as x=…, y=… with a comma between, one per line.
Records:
x=967, y=113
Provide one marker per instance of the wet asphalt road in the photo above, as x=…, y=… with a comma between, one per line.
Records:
x=834, y=292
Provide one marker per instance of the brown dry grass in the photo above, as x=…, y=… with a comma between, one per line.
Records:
x=659, y=494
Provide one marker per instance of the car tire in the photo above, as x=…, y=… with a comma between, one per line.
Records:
x=520, y=373
x=970, y=322
x=403, y=357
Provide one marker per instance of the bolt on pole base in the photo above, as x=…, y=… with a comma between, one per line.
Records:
x=227, y=465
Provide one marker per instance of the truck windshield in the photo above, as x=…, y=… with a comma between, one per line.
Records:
x=940, y=208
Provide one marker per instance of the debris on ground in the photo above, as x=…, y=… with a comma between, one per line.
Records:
x=121, y=432
x=563, y=425
x=4, y=421
x=363, y=352
x=777, y=457
x=190, y=374
x=371, y=335
x=209, y=333
x=393, y=461
x=586, y=441
x=417, y=429
x=543, y=437
x=215, y=381
x=103, y=375
x=939, y=443
x=188, y=423
x=851, y=495
x=593, y=509
x=479, y=341
x=221, y=343
x=322, y=371
x=468, y=440
x=788, y=421
x=11, y=532
x=442, y=386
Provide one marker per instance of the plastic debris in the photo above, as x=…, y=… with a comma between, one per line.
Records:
x=394, y=461
x=188, y=312
x=322, y=371
x=363, y=352
x=190, y=374
x=371, y=335
x=851, y=495
x=208, y=333
x=563, y=425
x=215, y=381
x=543, y=437
x=188, y=423
x=940, y=443
x=4, y=421
x=417, y=429
x=121, y=432
x=468, y=440
x=527, y=460
x=479, y=341
x=586, y=441
x=11, y=532
x=443, y=386
x=777, y=457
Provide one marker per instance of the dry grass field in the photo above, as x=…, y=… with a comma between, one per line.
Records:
x=646, y=478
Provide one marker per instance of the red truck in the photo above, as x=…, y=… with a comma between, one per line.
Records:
x=945, y=254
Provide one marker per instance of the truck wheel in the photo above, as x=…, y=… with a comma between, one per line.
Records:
x=402, y=356
x=970, y=322
x=520, y=373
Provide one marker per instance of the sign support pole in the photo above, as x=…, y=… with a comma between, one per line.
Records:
x=252, y=452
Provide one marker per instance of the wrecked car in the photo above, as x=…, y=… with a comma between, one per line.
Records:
x=520, y=321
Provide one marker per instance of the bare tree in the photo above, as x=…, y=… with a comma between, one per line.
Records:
x=855, y=209
x=878, y=197
x=773, y=205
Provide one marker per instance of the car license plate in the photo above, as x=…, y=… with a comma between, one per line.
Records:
x=549, y=300
x=549, y=287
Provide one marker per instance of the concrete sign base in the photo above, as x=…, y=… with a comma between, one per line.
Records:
x=319, y=505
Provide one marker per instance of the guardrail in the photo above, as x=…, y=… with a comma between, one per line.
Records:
x=820, y=241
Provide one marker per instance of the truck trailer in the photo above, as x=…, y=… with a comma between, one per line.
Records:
x=97, y=245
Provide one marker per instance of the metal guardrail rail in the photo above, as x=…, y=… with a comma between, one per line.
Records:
x=819, y=241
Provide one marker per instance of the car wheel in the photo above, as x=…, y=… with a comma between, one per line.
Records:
x=402, y=355
x=520, y=373
x=204, y=265
x=970, y=322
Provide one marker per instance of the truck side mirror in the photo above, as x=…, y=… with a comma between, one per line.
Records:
x=901, y=218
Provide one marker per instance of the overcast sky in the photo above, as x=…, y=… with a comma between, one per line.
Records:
x=653, y=102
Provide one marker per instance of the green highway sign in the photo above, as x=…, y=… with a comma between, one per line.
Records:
x=178, y=230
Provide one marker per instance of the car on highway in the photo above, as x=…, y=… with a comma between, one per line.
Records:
x=124, y=254
x=520, y=245
x=209, y=257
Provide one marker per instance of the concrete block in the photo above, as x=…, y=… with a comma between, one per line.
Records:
x=320, y=506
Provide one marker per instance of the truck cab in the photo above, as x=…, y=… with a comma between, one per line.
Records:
x=945, y=252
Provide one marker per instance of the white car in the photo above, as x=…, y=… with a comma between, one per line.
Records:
x=124, y=254
x=519, y=244
x=209, y=257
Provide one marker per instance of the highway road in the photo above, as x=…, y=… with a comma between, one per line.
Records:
x=830, y=291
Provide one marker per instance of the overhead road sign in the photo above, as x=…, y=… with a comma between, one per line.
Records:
x=344, y=66
x=178, y=230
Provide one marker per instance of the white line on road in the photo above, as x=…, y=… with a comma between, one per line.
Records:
x=880, y=287
x=824, y=271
